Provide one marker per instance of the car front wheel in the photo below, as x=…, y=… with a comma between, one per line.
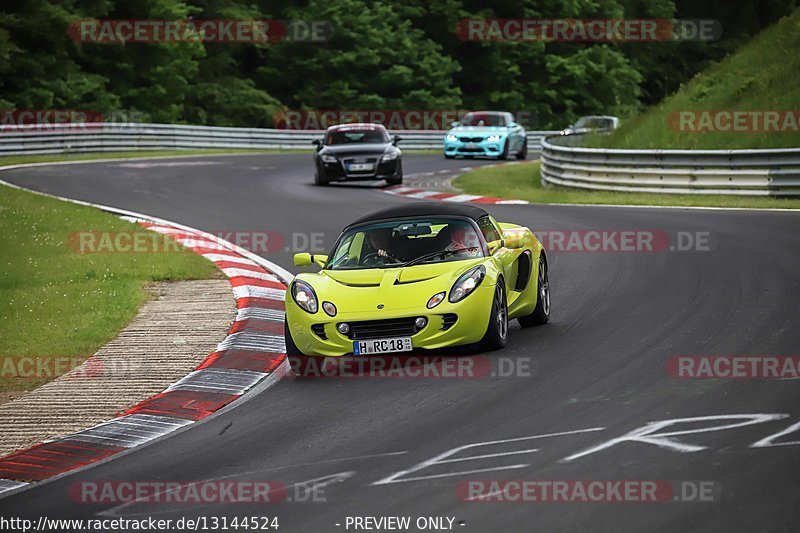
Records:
x=541, y=313
x=497, y=331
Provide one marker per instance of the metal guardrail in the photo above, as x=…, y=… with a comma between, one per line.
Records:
x=773, y=172
x=113, y=137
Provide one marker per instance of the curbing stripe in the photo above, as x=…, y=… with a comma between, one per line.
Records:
x=243, y=361
x=219, y=380
x=10, y=484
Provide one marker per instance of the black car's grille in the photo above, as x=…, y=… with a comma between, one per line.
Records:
x=470, y=139
x=348, y=160
x=376, y=329
x=448, y=321
x=319, y=330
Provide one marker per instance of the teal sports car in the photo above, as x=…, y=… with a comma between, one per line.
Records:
x=492, y=134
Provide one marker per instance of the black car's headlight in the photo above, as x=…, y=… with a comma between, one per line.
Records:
x=389, y=156
x=467, y=283
x=304, y=296
x=328, y=159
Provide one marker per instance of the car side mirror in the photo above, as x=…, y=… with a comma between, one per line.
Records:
x=317, y=143
x=494, y=246
x=306, y=259
x=396, y=139
x=513, y=125
x=513, y=241
x=454, y=124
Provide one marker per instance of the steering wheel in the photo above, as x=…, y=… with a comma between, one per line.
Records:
x=375, y=255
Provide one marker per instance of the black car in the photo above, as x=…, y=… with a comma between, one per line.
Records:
x=351, y=152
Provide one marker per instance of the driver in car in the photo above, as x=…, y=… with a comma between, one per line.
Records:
x=381, y=242
x=458, y=240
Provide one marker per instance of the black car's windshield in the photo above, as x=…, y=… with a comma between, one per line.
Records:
x=484, y=119
x=406, y=243
x=356, y=136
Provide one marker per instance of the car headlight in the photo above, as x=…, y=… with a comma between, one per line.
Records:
x=452, y=138
x=493, y=138
x=328, y=159
x=389, y=156
x=304, y=296
x=467, y=283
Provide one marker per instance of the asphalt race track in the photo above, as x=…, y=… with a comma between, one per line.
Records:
x=598, y=371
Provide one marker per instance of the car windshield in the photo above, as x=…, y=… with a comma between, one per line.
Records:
x=356, y=136
x=407, y=243
x=483, y=119
x=595, y=123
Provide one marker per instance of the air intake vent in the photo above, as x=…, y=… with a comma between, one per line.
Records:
x=376, y=329
x=448, y=320
x=319, y=329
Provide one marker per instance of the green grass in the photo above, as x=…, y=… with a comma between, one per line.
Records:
x=56, y=302
x=763, y=75
x=522, y=182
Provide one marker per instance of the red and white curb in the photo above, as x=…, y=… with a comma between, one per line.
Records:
x=421, y=193
x=253, y=355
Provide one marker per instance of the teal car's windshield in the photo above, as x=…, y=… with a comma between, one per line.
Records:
x=406, y=243
x=494, y=120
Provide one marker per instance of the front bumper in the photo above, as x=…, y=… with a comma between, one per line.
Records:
x=473, y=148
x=383, y=170
x=473, y=318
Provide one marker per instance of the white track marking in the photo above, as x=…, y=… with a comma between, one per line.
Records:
x=768, y=442
x=443, y=458
x=647, y=434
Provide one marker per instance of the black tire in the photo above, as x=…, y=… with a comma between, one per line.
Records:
x=297, y=359
x=319, y=178
x=398, y=180
x=504, y=153
x=496, y=335
x=523, y=153
x=541, y=313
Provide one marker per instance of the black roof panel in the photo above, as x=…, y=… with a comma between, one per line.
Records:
x=424, y=209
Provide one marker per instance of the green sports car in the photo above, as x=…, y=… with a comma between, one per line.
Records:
x=422, y=275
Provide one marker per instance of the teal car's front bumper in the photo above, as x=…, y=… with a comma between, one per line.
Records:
x=466, y=145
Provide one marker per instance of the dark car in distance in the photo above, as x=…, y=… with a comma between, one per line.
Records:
x=356, y=152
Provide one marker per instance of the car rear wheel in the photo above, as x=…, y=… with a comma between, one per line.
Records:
x=497, y=331
x=523, y=153
x=541, y=313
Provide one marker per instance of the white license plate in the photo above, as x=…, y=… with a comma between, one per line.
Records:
x=356, y=167
x=373, y=346
x=471, y=146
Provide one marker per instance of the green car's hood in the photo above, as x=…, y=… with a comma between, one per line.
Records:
x=361, y=291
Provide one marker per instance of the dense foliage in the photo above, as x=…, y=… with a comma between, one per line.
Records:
x=383, y=55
